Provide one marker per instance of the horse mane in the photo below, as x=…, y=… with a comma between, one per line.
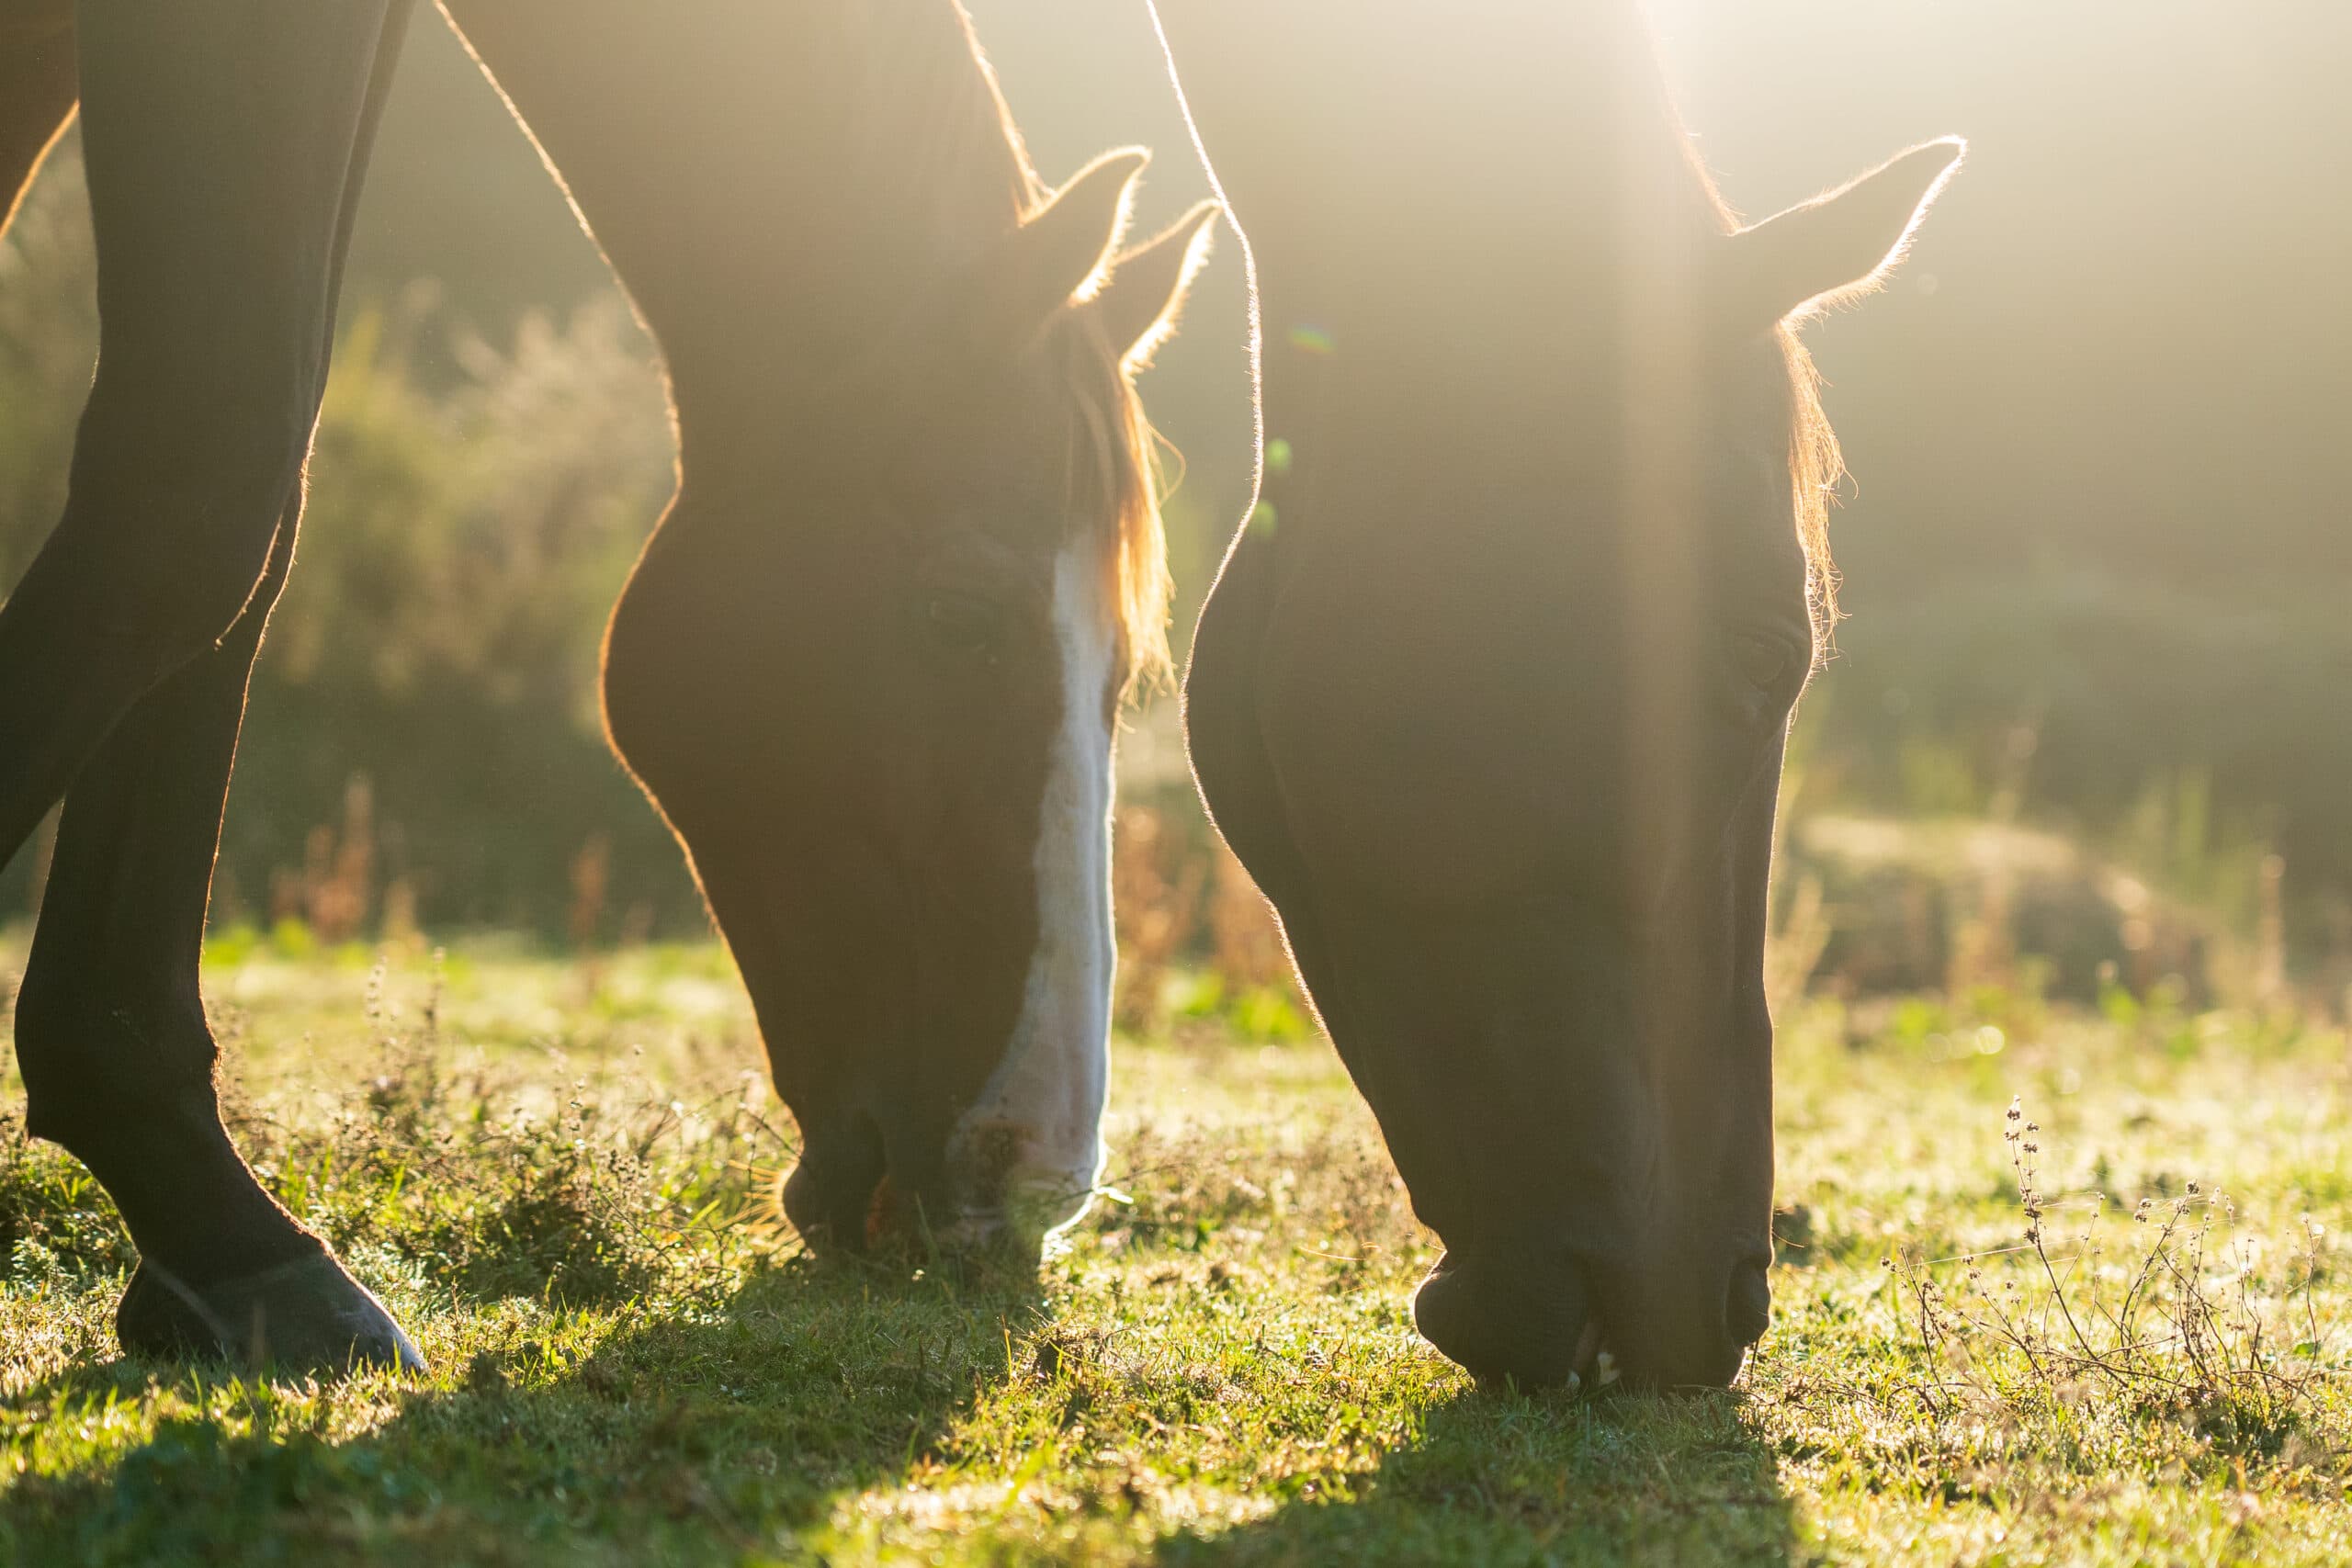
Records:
x=962, y=123
x=1817, y=465
x=1114, y=470
x=1115, y=473
x=1816, y=468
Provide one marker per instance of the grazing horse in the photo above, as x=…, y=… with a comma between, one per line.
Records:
x=868, y=665
x=1492, y=690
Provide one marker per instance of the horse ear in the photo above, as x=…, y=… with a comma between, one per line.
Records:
x=1140, y=304
x=1060, y=253
x=1841, y=246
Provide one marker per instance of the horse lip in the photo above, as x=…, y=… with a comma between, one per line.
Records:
x=1587, y=1352
x=881, y=1211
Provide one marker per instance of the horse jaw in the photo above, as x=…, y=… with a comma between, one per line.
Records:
x=1029, y=1151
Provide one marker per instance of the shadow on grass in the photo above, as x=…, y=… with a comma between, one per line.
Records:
x=1504, y=1479
x=660, y=1434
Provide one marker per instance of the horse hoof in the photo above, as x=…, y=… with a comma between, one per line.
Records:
x=307, y=1316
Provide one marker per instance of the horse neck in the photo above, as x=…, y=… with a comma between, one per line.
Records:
x=772, y=182
x=1580, y=144
x=1491, y=276
x=1530, y=150
x=908, y=168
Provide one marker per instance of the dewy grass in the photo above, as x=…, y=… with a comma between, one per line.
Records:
x=557, y=1186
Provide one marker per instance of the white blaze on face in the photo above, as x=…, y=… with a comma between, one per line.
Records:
x=1035, y=1135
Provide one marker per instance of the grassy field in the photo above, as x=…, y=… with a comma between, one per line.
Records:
x=557, y=1176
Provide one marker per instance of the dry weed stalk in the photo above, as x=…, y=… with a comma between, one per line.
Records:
x=1156, y=888
x=2190, y=1330
x=334, y=889
x=1241, y=925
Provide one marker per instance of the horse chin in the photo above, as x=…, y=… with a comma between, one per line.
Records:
x=1044, y=1205
x=1007, y=1201
x=1026, y=1225
x=1011, y=1218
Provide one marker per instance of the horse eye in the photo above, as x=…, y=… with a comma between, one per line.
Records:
x=1763, y=660
x=963, y=623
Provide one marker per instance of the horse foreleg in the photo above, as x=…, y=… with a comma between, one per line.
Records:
x=225, y=142
x=118, y=1058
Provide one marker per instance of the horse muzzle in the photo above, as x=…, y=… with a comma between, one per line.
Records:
x=1544, y=1324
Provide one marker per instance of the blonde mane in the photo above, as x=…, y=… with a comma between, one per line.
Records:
x=1114, y=472
x=1815, y=469
x=1815, y=464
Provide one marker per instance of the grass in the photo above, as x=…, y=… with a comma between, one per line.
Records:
x=554, y=1174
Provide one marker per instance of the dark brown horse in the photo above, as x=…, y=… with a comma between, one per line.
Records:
x=867, y=666
x=1492, y=694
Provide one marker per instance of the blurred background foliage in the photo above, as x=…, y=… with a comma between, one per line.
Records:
x=2088, y=728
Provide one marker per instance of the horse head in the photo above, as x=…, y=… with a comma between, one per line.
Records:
x=1491, y=696
x=870, y=671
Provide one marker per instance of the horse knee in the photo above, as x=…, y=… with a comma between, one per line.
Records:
x=91, y=1054
x=173, y=520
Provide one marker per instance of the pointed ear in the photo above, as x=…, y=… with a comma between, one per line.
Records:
x=1059, y=255
x=1836, y=247
x=1140, y=304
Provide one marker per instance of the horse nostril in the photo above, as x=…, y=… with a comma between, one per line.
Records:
x=831, y=1197
x=830, y=1216
x=1530, y=1323
x=1749, y=1311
